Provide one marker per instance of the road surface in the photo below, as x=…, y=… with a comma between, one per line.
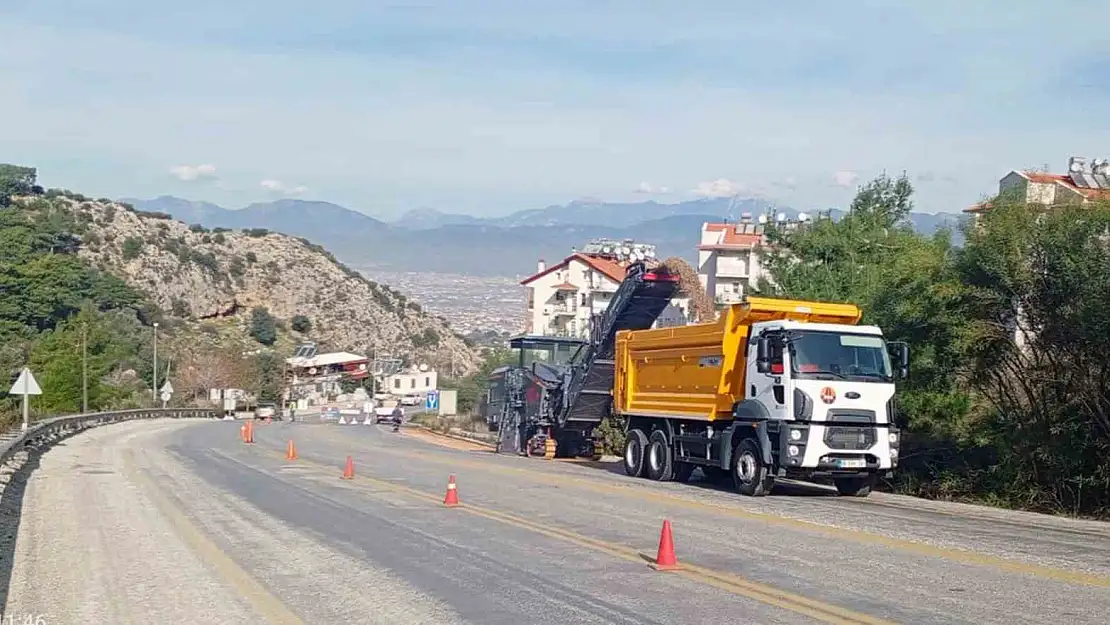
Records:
x=158, y=522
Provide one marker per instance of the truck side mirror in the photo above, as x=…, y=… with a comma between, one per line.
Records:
x=763, y=355
x=900, y=351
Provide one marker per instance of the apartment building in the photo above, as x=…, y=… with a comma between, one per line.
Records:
x=561, y=299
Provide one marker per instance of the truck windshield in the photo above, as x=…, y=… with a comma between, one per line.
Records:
x=833, y=355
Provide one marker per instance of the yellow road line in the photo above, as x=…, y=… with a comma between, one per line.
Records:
x=858, y=536
x=818, y=610
x=265, y=604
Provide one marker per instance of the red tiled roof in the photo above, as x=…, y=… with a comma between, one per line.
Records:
x=611, y=269
x=566, y=286
x=1045, y=178
x=732, y=237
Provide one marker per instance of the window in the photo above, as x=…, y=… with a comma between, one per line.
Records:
x=831, y=355
x=412, y=382
x=427, y=382
x=396, y=382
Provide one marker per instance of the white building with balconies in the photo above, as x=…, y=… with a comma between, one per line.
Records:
x=562, y=299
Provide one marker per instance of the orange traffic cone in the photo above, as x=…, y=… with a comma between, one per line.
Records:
x=250, y=432
x=349, y=470
x=452, y=497
x=665, y=560
x=290, y=451
x=243, y=432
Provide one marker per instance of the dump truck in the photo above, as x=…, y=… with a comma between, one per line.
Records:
x=773, y=388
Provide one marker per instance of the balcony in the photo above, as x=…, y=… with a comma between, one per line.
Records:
x=564, y=308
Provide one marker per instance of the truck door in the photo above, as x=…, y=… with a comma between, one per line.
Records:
x=768, y=389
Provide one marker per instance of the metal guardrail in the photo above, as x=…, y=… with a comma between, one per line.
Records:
x=55, y=428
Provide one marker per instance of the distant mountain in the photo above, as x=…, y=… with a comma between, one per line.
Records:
x=430, y=240
x=430, y=218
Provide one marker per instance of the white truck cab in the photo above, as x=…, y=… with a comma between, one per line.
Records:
x=824, y=394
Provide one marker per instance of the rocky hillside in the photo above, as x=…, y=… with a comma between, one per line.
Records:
x=194, y=273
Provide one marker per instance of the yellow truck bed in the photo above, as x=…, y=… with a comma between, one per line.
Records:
x=697, y=371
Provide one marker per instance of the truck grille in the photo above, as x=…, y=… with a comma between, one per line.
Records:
x=849, y=437
x=846, y=434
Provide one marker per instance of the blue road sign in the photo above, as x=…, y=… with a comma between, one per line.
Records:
x=431, y=402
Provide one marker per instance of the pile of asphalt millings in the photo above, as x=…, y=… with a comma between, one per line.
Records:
x=701, y=305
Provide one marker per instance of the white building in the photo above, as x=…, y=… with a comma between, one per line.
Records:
x=1081, y=185
x=561, y=299
x=413, y=381
x=729, y=260
x=1084, y=183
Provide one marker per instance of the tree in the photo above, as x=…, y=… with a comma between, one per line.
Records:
x=472, y=387
x=1044, y=277
x=204, y=368
x=263, y=327
x=301, y=323
x=16, y=180
x=264, y=372
x=905, y=283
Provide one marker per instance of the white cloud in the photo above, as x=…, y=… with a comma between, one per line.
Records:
x=721, y=187
x=279, y=188
x=646, y=188
x=193, y=173
x=845, y=178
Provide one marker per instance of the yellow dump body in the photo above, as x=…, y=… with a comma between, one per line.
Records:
x=697, y=371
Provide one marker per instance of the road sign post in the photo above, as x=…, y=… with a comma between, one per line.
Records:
x=167, y=392
x=431, y=401
x=26, y=385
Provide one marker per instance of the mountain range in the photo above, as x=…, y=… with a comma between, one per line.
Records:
x=428, y=240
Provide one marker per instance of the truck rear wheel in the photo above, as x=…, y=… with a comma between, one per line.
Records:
x=659, y=463
x=749, y=474
x=635, y=443
x=854, y=486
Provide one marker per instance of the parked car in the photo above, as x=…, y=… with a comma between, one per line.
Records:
x=266, y=411
x=412, y=400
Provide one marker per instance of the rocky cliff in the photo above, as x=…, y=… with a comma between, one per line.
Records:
x=197, y=274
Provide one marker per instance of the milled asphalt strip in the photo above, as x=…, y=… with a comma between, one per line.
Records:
x=866, y=538
x=267, y=605
x=769, y=595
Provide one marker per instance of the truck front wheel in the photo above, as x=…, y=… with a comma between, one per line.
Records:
x=749, y=474
x=854, y=486
x=634, y=446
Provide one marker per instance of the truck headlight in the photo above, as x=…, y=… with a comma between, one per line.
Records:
x=792, y=450
x=795, y=435
x=893, y=438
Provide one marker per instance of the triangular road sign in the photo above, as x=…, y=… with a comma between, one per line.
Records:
x=167, y=387
x=25, y=384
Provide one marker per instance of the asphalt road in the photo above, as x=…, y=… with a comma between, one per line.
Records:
x=165, y=521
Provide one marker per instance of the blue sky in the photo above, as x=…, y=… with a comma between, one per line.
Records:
x=492, y=106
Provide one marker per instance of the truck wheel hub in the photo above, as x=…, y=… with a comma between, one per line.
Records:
x=745, y=467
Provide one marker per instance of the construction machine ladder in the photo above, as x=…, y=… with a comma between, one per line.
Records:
x=637, y=303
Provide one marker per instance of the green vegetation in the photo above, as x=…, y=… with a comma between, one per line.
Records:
x=263, y=327
x=301, y=323
x=472, y=387
x=985, y=419
x=54, y=302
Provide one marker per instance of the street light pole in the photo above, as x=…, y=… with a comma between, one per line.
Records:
x=154, y=386
x=84, y=367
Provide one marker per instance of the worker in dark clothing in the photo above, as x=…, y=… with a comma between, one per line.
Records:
x=398, y=415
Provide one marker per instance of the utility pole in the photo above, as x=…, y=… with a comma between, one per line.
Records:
x=154, y=385
x=84, y=366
